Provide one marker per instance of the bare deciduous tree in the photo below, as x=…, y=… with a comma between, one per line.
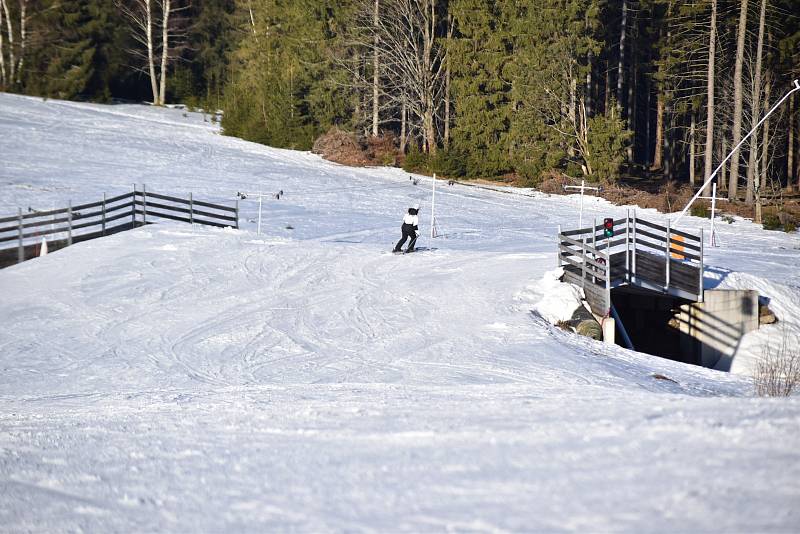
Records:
x=777, y=373
x=733, y=182
x=147, y=18
x=402, y=35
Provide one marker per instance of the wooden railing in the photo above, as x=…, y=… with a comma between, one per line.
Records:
x=21, y=235
x=639, y=253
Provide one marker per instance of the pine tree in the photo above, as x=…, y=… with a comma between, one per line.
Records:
x=481, y=91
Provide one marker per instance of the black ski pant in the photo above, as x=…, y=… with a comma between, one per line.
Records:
x=408, y=233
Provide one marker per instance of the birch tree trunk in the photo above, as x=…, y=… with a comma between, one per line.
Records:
x=375, y=69
x=23, y=38
x=2, y=54
x=765, y=136
x=752, y=167
x=167, y=9
x=712, y=53
x=588, y=96
x=429, y=33
x=621, y=64
x=446, y=135
x=151, y=62
x=11, y=58
x=403, y=127
x=733, y=182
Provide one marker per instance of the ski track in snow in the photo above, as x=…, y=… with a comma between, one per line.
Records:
x=187, y=379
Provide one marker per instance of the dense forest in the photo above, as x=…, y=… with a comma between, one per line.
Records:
x=597, y=89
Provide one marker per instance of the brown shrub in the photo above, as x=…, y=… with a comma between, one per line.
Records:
x=382, y=150
x=341, y=147
x=553, y=182
x=349, y=149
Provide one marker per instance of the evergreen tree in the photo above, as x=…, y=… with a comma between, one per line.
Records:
x=481, y=92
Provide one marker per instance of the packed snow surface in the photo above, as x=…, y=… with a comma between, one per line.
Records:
x=187, y=379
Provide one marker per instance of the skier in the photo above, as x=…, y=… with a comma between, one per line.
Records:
x=410, y=229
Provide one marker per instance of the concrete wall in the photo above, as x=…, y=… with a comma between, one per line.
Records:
x=712, y=330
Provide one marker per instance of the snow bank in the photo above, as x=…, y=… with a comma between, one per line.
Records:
x=188, y=379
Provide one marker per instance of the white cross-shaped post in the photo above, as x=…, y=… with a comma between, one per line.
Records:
x=260, y=197
x=712, y=238
x=583, y=187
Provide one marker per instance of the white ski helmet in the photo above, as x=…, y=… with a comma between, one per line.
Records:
x=416, y=206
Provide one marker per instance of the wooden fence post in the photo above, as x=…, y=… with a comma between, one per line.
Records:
x=628, y=246
x=69, y=224
x=594, y=244
x=666, y=258
x=700, y=284
x=634, y=244
x=608, y=281
x=104, y=214
x=237, y=214
x=21, y=251
x=583, y=261
x=558, y=250
x=191, y=209
x=144, y=204
x=133, y=208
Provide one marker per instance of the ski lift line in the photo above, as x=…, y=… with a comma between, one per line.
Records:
x=735, y=149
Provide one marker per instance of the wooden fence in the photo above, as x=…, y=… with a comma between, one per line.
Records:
x=640, y=253
x=21, y=234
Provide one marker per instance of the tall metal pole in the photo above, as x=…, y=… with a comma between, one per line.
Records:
x=260, y=197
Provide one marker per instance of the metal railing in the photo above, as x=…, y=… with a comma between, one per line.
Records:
x=639, y=253
x=63, y=227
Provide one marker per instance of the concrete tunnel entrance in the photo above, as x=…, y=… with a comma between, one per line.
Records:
x=707, y=333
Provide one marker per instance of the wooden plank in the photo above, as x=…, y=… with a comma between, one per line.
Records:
x=119, y=197
x=589, y=269
x=576, y=232
x=36, y=234
x=164, y=197
x=195, y=202
x=684, y=244
x=183, y=219
x=214, y=206
x=35, y=214
x=87, y=206
x=184, y=210
x=649, y=224
x=34, y=224
x=685, y=235
x=589, y=261
x=588, y=247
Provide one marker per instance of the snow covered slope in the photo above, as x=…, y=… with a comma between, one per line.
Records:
x=190, y=379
